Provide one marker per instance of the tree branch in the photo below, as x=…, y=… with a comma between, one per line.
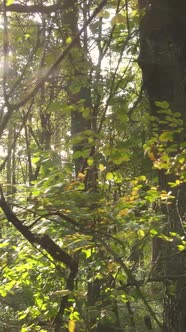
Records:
x=43, y=240
x=61, y=58
x=51, y=248
x=133, y=280
x=18, y=8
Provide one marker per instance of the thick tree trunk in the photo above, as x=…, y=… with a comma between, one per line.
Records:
x=163, y=63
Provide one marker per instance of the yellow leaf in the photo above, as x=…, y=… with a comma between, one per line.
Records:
x=71, y=326
x=123, y=212
x=81, y=176
x=117, y=19
x=134, y=192
x=141, y=233
x=9, y=2
x=110, y=266
x=151, y=156
x=101, y=167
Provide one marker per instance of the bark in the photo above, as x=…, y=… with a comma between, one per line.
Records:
x=61, y=58
x=163, y=63
x=78, y=90
x=47, y=244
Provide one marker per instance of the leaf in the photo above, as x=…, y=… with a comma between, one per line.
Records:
x=87, y=252
x=68, y=40
x=4, y=244
x=181, y=247
x=9, y=2
x=162, y=104
x=153, y=232
x=117, y=19
x=81, y=176
x=141, y=233
x=22, y=316
x=142, y=178
x=35, y=160
x=166, y=136
x=177, y=115
x=71, y=325
x=109, y=176
x=165, y=238
x=101, y=167
x=27, y=36
x=181, y=160
x=3, y=293
x=118, y=177
x=24, y=329
x=90, y=161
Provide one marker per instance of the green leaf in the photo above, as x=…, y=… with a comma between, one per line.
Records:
x=141, y=233
x=162, y=104
x=35, y=160
x=24, y=329
x=23, y=315
x=166, y=136
x=181, y=247
x=88, y=252
x=3, y=293
x=177, y=115
x=68, y=40
x=142, y=178
x=4, y=244
x=90, y=161
x=27, y=36
x=9, y=2
x=153, y=232
x=109, y=176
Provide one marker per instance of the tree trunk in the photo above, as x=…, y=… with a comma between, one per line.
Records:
x=163, y=63
x=77, y=86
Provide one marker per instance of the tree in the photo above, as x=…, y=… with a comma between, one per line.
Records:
x=81, y=200
x=162, y=59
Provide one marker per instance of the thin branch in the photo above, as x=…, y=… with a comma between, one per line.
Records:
x=127, y=15
x=136, y=103
x=61, y=58
x=43, y=240
x=5, y=52
x=46, y=243
x=133, y=280
x=15, y=139
x=50, y=71
x=18, y=8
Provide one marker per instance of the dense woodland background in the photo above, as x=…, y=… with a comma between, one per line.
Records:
x=92, y=160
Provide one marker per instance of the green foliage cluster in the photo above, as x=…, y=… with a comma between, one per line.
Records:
x=78, y=164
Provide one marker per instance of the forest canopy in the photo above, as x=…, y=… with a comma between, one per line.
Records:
x=93, y=166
